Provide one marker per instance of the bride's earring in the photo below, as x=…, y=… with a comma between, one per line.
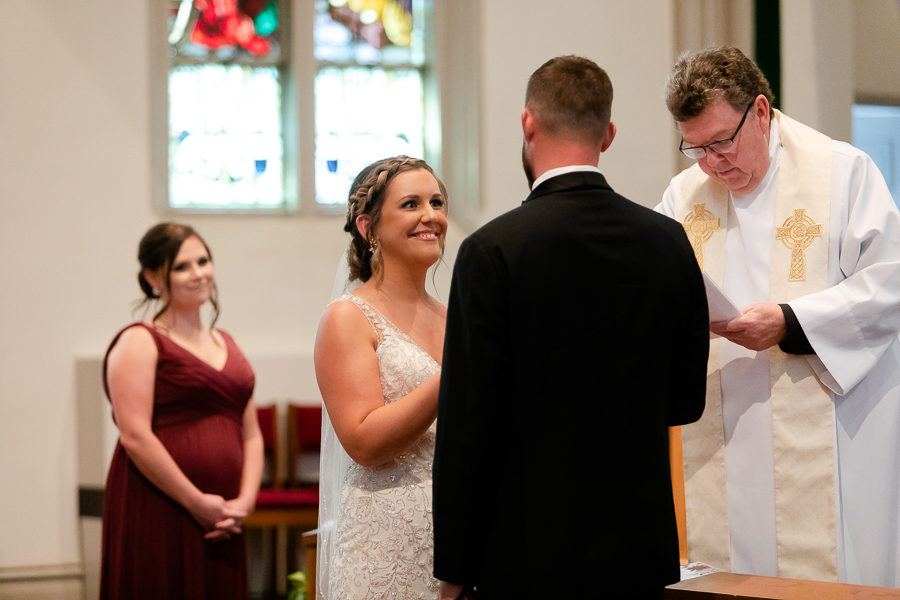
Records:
x=375, y=258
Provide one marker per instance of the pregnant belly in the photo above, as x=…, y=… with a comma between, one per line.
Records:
x=210, y=452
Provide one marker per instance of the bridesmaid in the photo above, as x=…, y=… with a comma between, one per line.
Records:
x=187, y=467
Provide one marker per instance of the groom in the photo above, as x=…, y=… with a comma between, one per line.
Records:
x=577, y=333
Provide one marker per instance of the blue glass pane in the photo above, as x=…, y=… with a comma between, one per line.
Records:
x=225, y=145
x=362, y=115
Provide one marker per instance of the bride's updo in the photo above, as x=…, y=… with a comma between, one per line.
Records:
x=367, y=195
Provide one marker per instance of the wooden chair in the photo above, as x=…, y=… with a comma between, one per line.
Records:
x=268, y=425
x=304, y=432
x=304, y=443
x=278, y=507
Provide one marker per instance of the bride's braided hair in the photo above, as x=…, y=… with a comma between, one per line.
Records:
x=367, y=198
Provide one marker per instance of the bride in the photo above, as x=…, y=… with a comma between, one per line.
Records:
x=377, y=356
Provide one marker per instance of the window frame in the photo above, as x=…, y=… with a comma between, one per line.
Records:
x=298, y=114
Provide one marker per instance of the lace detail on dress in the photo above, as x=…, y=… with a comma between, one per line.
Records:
x=384, y=540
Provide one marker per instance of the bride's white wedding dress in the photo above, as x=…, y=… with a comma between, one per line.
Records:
x=382, y=544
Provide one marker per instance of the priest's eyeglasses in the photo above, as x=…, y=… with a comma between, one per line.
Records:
x=719, y=146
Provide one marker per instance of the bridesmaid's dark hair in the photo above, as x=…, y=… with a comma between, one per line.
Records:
x=157, y=250
x=367, y=198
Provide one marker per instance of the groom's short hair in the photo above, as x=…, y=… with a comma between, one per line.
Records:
x=571, y=96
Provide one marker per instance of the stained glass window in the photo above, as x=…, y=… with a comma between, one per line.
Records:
x=361, y=91
x=369, y=88
x=225, y=81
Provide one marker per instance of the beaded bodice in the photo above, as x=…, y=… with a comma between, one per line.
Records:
x=384, y=537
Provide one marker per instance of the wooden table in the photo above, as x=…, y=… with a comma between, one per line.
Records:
x=731, y=586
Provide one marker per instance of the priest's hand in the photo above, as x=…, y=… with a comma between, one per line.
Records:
x=760, y=326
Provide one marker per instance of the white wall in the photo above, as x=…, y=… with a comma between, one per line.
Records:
x=632, y=41
x=876, y=48
x=75, y=196
x=817, y=64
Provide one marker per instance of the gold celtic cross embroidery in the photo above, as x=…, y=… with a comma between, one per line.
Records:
x=700, y=224
x=797, y=233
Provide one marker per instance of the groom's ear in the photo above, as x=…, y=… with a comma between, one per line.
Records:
x=527, y=124
x=609, y=137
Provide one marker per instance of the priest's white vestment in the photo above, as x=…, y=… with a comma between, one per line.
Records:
x=852, y=323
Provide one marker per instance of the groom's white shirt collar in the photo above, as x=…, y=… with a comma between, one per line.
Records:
x=561, y=171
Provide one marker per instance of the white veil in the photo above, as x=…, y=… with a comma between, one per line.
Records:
x=333, y=466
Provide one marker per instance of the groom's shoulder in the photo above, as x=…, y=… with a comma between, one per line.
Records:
x=498, y=239
x=504, y=227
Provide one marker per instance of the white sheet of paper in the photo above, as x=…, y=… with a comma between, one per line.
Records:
x=721, y=308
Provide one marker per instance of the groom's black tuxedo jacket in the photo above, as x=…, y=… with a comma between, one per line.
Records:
x=577, y=333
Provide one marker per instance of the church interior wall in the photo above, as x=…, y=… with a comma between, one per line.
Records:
x=817, y=64
x=76, y=195
x=876, y=51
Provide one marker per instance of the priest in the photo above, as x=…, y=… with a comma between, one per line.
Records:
x=794, y=469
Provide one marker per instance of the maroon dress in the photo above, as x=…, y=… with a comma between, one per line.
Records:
x=152, y=547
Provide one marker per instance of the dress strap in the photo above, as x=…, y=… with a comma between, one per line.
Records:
x=379, y=323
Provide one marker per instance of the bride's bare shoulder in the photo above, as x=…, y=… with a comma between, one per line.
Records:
x=343, y=319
